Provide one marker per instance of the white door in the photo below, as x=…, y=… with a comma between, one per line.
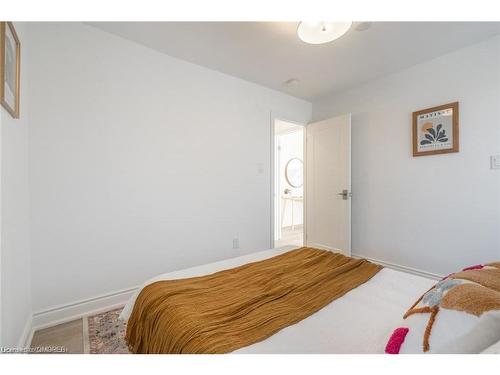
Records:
x=328, y=184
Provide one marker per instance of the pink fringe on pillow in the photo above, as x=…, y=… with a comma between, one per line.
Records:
x=397, y=338
x=476, y=267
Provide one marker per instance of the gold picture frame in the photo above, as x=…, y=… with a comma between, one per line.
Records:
x=435, y=130
x=10, y=68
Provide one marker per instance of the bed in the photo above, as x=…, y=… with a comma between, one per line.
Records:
x=358, y=322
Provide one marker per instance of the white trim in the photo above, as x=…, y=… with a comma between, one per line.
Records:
x=399, y=267
x=304, y=189
x=85, y=333
x=78, y=309
x=272, y=179
x=27, y=335
x=349, y=187
x=105, y=302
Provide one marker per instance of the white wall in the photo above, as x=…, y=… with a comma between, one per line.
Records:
x=140, y=163
x=15, y=251
x=434, y=213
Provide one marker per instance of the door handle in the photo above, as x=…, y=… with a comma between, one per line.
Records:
x=345, y=194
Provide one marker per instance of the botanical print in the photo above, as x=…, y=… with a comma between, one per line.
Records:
x=435, y=130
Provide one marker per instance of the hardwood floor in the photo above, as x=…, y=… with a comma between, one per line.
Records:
x=291, y=237
x=67, y=335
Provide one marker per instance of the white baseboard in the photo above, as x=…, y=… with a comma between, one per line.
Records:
x=78, y=309
x=27, y=335
x=105, y=302
x=399, y=267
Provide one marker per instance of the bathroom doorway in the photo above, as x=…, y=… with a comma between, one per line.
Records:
x=288, y=184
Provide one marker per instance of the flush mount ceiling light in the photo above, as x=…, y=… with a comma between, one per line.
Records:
x=322, y=32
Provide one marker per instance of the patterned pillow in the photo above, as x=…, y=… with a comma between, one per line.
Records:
x=448, y=310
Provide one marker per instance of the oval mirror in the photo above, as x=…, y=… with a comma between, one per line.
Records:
x=294, y=172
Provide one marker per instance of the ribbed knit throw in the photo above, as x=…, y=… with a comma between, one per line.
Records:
x=231, y=309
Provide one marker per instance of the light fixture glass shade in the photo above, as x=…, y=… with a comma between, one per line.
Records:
x=322, y=32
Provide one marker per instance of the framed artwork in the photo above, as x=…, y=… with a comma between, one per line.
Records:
x=435, y=130
x=10, y=66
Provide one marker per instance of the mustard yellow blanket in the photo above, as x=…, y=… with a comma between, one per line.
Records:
x=228, y=310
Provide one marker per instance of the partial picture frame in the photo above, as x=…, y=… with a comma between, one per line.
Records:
x=435, y=130
x=10, y=69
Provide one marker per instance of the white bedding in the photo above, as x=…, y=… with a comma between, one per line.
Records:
x=359, y=322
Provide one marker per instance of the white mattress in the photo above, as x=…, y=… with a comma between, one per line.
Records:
x=358, y=322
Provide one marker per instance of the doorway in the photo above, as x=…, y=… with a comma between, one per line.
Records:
x=311, y=184
x=288, y=184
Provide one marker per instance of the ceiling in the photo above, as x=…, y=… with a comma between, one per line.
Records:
x=270, y=53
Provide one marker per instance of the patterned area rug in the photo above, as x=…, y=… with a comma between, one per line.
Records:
x=106, y=333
